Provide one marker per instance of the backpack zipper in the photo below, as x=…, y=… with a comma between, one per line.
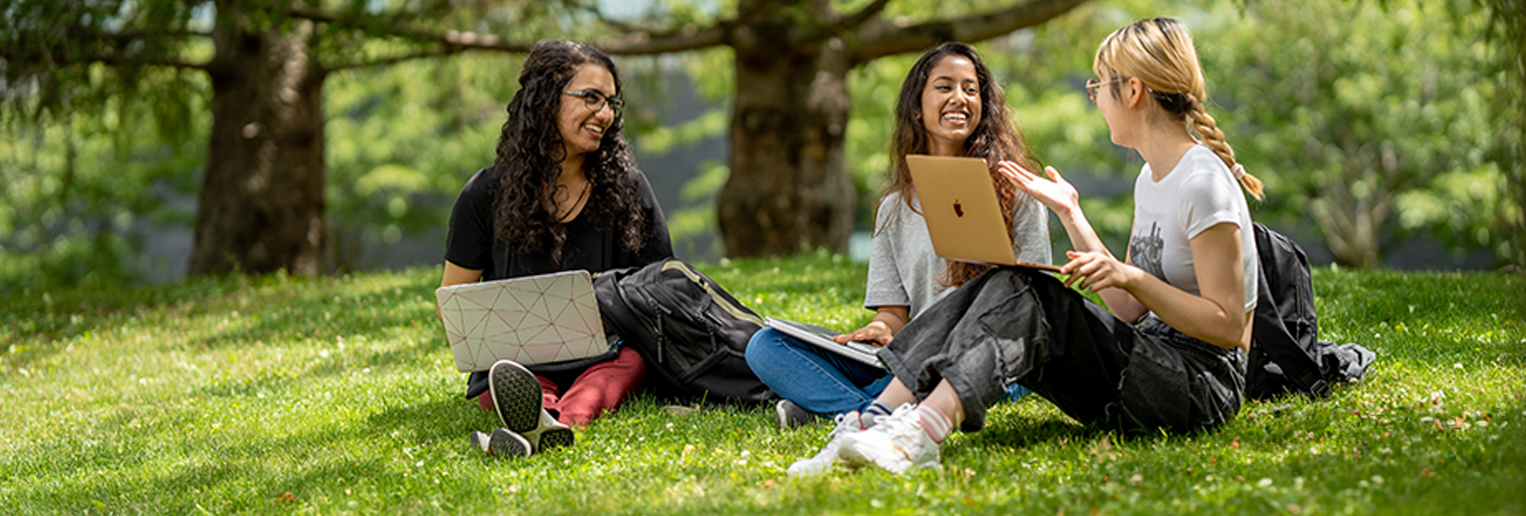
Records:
x=658, y=310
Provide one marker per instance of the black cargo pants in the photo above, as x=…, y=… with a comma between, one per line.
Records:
x=1024, y=326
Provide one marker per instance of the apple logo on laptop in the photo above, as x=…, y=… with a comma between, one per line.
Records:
x=958, y=209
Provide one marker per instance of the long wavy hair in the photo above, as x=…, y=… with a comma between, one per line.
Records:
x=1160, y=53
x=994, y=139
x=530, y=153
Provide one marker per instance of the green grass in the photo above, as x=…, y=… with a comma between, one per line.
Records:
x=338, y=395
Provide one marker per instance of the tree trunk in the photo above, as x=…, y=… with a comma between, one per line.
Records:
x=1352, y=224
x=788, y=189
x=261, y=205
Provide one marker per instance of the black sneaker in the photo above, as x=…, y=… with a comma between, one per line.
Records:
x=502, y=443
x=789, y=415
x=549, y=434
x=516, y=396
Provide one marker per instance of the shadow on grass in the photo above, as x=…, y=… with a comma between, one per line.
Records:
x=1021, y=432
x=36, y=328
x=444, y=419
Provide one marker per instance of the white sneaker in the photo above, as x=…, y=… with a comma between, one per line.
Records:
x=847, y=424
x=896, y=443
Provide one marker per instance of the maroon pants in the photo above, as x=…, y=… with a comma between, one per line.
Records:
x=578, y=398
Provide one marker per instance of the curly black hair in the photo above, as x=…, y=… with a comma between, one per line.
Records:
x=530, y=153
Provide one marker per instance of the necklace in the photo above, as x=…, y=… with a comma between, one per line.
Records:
x=587, y=185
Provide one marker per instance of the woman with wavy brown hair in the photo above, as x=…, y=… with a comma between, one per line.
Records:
x=949, y=106
x=1168, y=351
x=563, y=194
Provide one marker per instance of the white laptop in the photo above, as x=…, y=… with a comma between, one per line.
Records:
x=964, y=218
x=530, y=320
x=822, y=337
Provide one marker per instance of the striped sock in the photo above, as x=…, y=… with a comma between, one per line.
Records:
x=934, y=423
x=876, y=411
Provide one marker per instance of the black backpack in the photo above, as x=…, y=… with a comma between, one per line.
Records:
x=1286, y=355
x=691, y=332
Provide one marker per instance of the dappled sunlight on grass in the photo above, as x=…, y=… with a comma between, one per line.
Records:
x=338, y=395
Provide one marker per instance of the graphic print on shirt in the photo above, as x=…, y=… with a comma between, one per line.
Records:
x=1145, y=249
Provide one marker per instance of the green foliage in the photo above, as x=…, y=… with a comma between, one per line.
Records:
x=696, y=216
x=1411, y=102
x=1508, y=33
x=400, y=149
x=77, y=189
x=337, y=396
x=1345, y=108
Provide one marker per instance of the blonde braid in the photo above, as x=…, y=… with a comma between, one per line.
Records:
x=1214, y=138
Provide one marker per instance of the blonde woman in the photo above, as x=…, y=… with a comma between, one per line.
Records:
x=1170, y=355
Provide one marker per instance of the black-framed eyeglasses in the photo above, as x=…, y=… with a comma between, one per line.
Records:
x=1092, y=85
x=595, y=100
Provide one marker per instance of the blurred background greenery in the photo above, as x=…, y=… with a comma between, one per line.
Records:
x=1388, y=134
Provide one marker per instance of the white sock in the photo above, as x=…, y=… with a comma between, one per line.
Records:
x=934, y=422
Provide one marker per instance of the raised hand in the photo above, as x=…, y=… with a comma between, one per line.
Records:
x=1056, y=193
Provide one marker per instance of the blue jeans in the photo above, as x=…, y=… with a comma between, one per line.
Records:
x=818, y=380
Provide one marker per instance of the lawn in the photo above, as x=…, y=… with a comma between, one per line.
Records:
x=338, y=395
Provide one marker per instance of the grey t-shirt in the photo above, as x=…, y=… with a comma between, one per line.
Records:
x=904, y=270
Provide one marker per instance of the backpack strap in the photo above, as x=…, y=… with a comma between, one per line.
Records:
x=1274, y=339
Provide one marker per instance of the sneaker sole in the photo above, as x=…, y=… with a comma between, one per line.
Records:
x=850, y=456
x=555, y=438
x=516, y=395
x=507, y=444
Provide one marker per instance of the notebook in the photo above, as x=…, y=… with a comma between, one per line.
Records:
x=822, y=338
x=530, y=320
x=964, y=218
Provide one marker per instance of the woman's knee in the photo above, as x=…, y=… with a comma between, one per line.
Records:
x=764, y=348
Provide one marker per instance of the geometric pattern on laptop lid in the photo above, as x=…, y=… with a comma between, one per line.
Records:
x=530, y=320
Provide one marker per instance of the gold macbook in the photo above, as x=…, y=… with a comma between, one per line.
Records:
x=963, y=216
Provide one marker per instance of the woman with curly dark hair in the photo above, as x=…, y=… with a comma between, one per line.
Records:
x=563, y=194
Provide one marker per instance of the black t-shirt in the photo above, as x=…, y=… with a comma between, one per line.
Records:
x=590, y=245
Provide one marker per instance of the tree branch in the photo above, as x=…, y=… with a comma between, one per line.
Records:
x=690, y=38
x=863, y=15
x=57, y=58
x=139, y=34
x=625, y=27
x=635, y=44
x=439, y=52
x=307, y=14
x=882, y=37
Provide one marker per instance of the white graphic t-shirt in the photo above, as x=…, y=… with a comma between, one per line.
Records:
x=1198, y=194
